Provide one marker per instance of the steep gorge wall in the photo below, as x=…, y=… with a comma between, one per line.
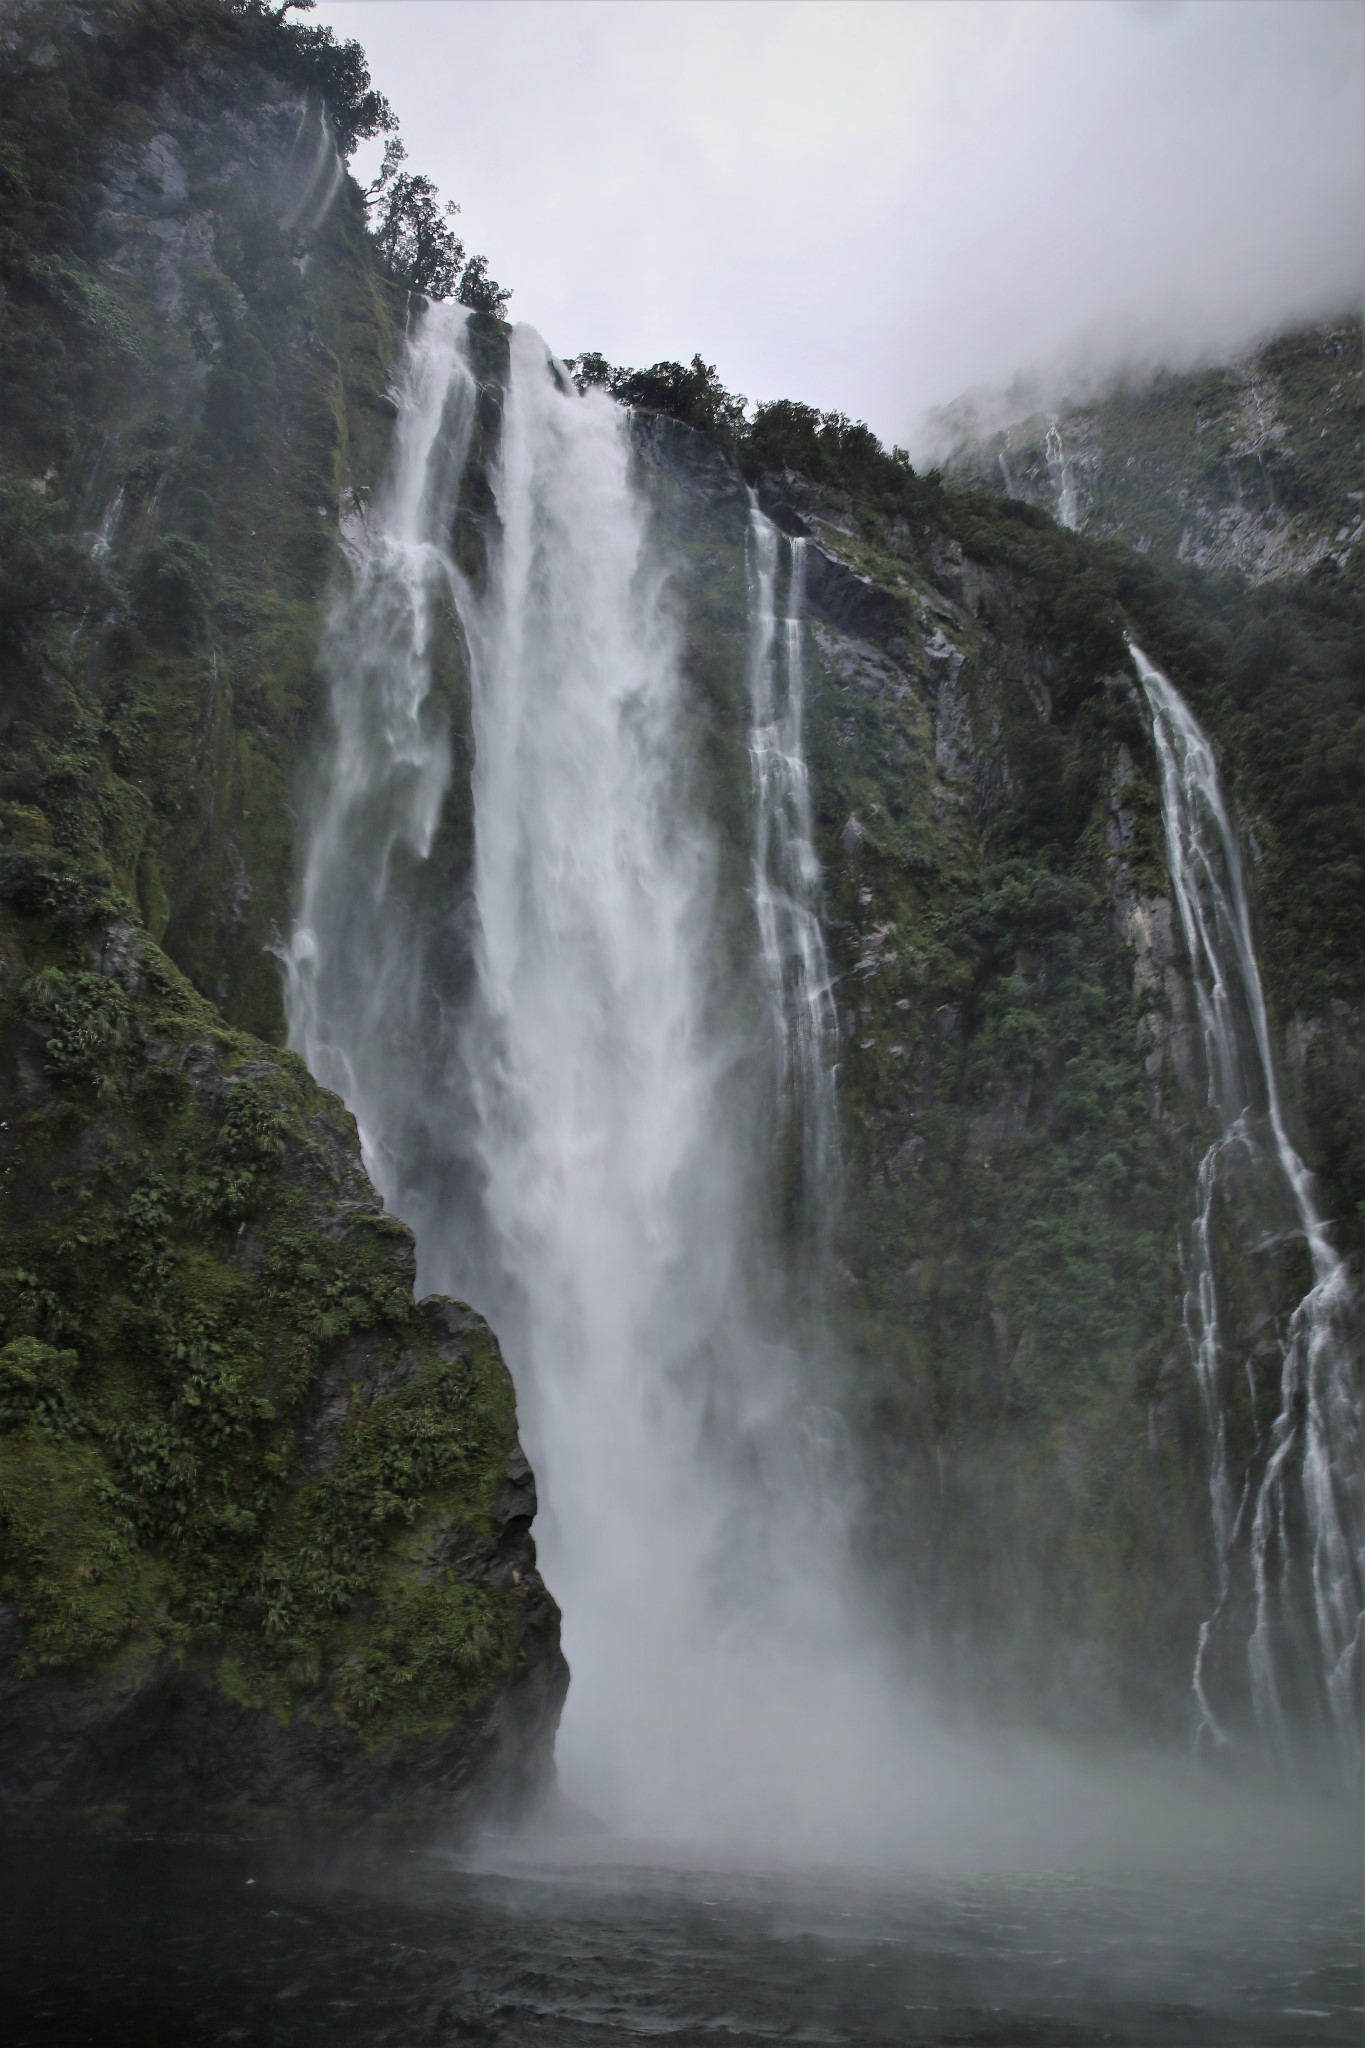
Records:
x=1006, y=1280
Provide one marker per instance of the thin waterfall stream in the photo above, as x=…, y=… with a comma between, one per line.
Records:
x=1305, y=1472
x=356, y=992
x=1059, y=472
x=786, y=871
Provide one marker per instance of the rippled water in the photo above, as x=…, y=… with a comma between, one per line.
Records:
x=129, y=1943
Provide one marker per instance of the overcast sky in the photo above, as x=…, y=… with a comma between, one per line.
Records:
x=875, y=205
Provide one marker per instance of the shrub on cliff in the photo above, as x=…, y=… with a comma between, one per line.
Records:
x=417, y=245
x=174, y=585
x=44, y=575
x=691, y=392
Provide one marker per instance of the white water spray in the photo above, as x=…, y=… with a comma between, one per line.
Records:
x=321, y=182
x=1312, y=1473
x=683, y=1533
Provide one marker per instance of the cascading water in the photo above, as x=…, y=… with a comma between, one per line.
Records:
x=611, y=1193
x=787, y=873
x=107, y=531
x=545, y=1091
x=1305, y=1473
x=1059, y=469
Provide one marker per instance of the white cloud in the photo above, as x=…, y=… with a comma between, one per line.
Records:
x=875, y=205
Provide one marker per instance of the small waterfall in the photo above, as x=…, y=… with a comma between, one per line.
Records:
x=1302, y=1486
x=329, y=193
x=107, y=531
x=313, y=197
x=786, y=872
x=1059, y=470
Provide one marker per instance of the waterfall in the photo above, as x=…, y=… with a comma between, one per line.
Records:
x=107, y=531
x=1059, y=470
x=313, y=199
x=786, y=873
x=504, y=959
x=611, y=1190
x=527, y=1027
x=1309, y=1458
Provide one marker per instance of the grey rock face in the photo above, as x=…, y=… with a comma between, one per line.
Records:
x=689, y=457
x=843, y=598
x=1216, y=469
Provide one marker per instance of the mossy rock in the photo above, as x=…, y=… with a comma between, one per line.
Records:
x=247, y=1484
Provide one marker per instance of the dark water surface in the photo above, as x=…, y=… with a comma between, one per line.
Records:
x=124, y=1944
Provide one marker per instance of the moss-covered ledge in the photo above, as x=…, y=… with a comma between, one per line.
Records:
x=264, y=1520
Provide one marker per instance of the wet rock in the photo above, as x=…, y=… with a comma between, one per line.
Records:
x=843, y=598
x=692, y=458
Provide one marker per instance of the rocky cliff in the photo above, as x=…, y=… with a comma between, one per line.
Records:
x=265, y=1518
x=1254, y=465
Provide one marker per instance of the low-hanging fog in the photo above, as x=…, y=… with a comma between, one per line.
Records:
x=878, y=207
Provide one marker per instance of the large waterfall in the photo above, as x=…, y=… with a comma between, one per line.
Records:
x=520, y=1009
x=1290, y=1512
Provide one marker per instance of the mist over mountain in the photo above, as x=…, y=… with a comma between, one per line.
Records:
x=876, y=208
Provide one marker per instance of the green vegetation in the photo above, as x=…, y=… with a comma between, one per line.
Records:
x=417, y=247
x=693, y=394
x=193, y=1260
x=1275, y=671
x=213, y=441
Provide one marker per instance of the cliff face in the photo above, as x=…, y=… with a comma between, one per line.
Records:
x=1253, y=466
x=265, y=1518
x=1015, y=1084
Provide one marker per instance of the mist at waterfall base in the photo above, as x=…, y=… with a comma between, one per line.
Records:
x=518, y=993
